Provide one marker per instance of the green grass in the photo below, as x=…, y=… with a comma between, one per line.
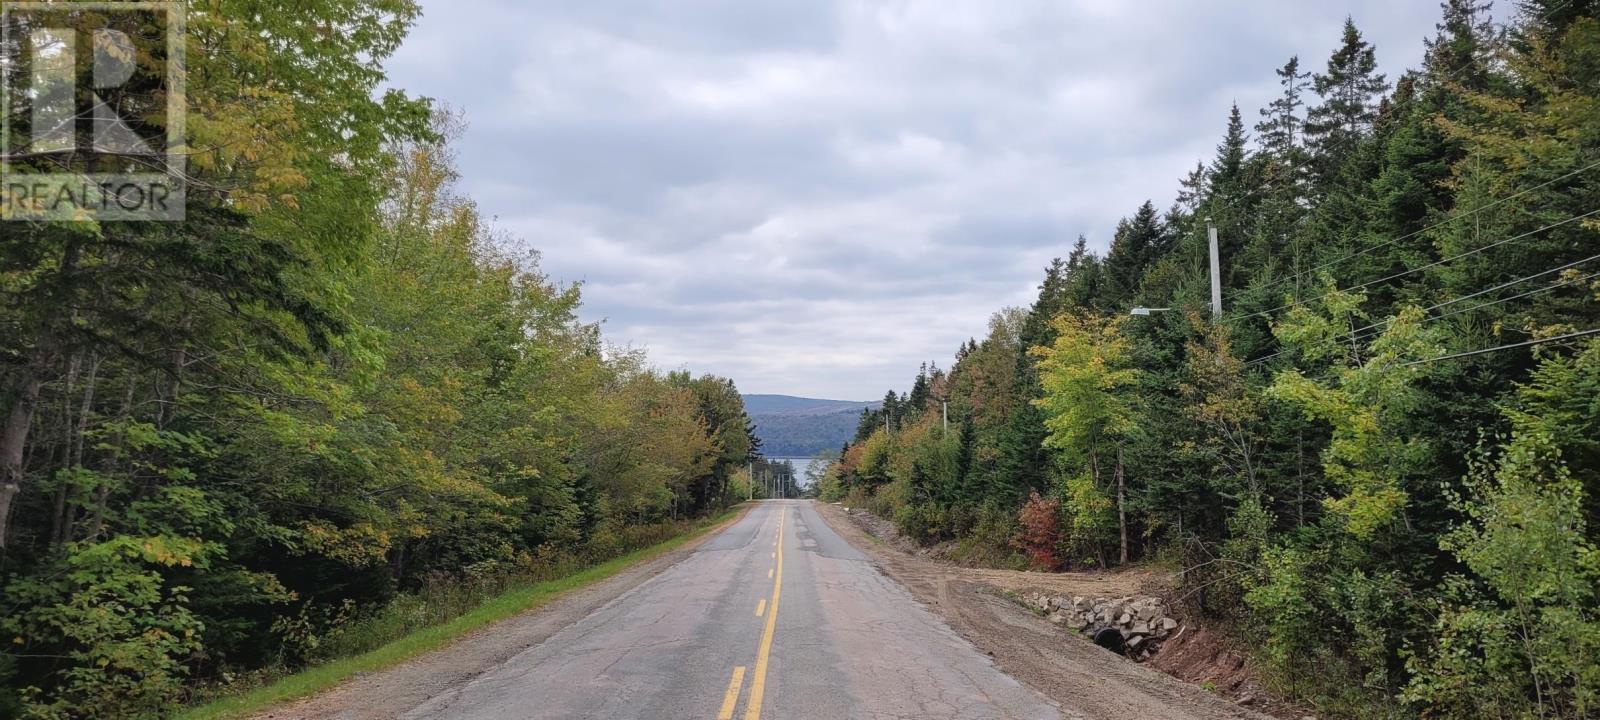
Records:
x=514, y=602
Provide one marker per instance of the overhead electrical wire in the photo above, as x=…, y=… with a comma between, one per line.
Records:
x=1300, y=164
x=1407, y=236
x=1538, y=341
x=1420, y=268
x=1368, y=331
x=1486, y=291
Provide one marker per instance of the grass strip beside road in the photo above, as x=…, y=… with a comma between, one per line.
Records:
x=318, y=678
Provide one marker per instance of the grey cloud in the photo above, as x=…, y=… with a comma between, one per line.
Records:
x=813, y=196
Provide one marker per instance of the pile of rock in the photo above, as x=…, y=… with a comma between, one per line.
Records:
x=1133, y=626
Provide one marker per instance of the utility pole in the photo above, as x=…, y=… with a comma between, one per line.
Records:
x=1216, y=272
x=944, y=408
x=1216, y=279
x=750, y=477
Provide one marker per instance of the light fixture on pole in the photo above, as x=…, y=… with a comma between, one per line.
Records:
x=1216, y=278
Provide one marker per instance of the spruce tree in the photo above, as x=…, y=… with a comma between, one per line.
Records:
x=1351, y=90
x=1459, y=52
x=1193, y=187
x=1279, y=129
x=1139, y=242
x=1229, y=163
x=921, y=393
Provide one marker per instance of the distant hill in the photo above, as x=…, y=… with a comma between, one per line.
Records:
x=802, y=427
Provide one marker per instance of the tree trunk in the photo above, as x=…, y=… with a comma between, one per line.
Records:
x=58, y=516
x=24, y=400
x=1300, y=478
x=103, y=496
x=14, y=436
x=69, y=510
x=1122, y=508
x=1094, y=465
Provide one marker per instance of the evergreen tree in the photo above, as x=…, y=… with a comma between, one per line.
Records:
x=1280, y=125
x=1139, y=241
x=921, y=393
x=1460, y=51
x=1351, y=90
x=1192, y=189
x=1228, y=167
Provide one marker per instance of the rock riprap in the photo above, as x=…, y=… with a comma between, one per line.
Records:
x=1141, y=620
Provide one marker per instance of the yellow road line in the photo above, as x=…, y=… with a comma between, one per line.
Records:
x=731, y=698
x=758, y=685
x=761, y=607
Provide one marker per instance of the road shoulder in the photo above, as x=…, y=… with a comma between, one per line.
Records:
x=1075, y=673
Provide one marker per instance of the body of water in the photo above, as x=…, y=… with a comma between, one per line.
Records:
x=801, y=467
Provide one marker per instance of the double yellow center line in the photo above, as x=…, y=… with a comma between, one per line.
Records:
x=731, y=698
x=758, y=683
x=758, y=686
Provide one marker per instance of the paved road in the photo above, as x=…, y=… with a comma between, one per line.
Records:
x=776, y=617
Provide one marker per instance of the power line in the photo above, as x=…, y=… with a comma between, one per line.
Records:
x=1517, y=281
x=1512, y=346
x=1300, y=164
x=1373, y=329
x=1418, y=269
x=1415, y=233
x=1519, y=296
x=1541, y=341
x=1486, y=291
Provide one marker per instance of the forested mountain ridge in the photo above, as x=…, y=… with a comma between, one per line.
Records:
x=757, y=404
x=791, y=426
x=1379, y=464
x=273, y=433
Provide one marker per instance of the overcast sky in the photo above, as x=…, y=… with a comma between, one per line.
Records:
x=814, y=196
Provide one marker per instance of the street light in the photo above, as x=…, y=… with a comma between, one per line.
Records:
x=1216, y=279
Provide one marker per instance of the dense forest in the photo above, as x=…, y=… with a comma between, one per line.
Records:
x=232, y=445
x=1381, y=462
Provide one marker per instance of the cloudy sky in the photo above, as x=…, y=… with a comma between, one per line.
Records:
x=814, y=196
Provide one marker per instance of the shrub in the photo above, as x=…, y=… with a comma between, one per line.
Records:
x=1521, y=637
x=923, y=523
x=1093, y=520
x=110, y=608
x=1041, y=531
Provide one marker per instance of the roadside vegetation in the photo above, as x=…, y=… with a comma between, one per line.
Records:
x=329, y=409
x=1400, y=528
x=416, y=623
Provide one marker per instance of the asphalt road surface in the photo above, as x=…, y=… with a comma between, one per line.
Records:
x=776, y=617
